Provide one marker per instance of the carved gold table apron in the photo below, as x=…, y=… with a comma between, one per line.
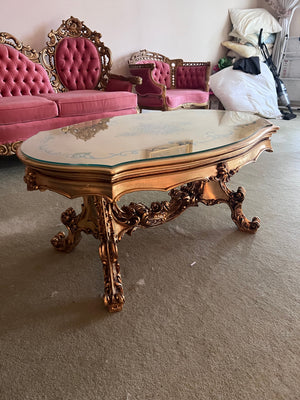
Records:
x=190, y=153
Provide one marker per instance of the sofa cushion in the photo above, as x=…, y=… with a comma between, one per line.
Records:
x=81, y=102
x=16, y=109
x=77, y=63
x=177, y=97
x=20, y=76
x=150, y=101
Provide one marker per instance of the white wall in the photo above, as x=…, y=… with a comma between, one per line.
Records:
x=188, y=29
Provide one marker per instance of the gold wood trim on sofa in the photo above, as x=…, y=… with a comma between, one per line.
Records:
x=73, y=27
x=9, y=149
x=144, y=55
x=29, y=52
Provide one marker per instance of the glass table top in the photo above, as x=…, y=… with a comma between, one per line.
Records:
x=132, y=138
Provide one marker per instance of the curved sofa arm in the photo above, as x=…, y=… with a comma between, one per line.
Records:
x=148, y=85
x=121, y=83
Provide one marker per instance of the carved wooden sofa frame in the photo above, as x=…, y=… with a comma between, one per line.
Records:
x=46, y=90
x=169, y=84
x=74, y=28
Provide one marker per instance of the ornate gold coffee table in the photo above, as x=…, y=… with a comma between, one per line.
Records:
x=190, y=153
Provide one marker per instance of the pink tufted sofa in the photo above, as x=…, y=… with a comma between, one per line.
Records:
x=68, y=82
x=169, y=84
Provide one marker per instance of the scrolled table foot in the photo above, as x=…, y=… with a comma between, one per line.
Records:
x=113, y=289
x=114, y=304
x=237, y=215
x=61, y=242
x=216, y=192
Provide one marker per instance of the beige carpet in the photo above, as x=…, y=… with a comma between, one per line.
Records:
x=211, y=313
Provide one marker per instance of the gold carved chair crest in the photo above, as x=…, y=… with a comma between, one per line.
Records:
x=70, y=29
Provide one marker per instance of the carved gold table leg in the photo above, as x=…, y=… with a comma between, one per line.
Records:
x=108, y=250
x=219, y=193
x=237, y=215
x=96, y=218
x=83, y=222
x=216, y=191
x=235, y=200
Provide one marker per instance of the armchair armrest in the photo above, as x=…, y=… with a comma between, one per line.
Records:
x=148, y=84
x=121, y=83
x=132, y=79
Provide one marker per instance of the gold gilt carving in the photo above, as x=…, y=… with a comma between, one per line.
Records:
x=237, y=215
x=96, y=219
x=29, y=52
x=30, y=179
x=233, y=199
x=139, y=215
x=87, y=130
x=73, y=27
x=62, y=243
x=223, y=173
x=113, y=289
x=8, y=149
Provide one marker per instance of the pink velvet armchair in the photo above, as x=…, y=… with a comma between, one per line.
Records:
x=169, y=84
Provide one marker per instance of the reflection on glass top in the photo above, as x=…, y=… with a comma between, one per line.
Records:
x=138, y=137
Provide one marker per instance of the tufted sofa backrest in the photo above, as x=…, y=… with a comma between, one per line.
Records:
x=161, y=72
x=78, y=64
x=20, y=76
x=191, y=77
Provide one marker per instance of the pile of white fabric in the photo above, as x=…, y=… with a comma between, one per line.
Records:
x=246, y=26
x=241, y=91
